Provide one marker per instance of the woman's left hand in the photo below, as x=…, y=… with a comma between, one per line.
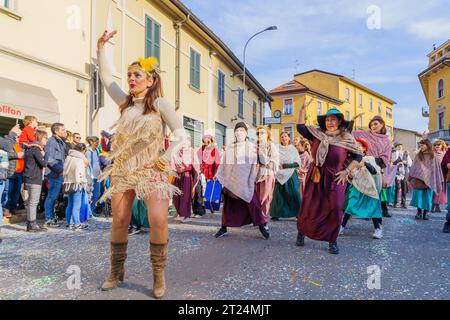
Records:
x=341, y=177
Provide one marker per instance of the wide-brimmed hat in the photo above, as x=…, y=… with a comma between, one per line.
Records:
x=332, y=112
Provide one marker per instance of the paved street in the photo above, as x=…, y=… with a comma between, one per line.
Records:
x=414, y=257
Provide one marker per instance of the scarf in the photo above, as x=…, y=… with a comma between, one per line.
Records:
x=238, y=169
x=365, y=182
x=379, y=145
x=75, y=177
x=288, y=155
x=340, y=139
x=429, y=171
x=268, y=161
x=445, y=161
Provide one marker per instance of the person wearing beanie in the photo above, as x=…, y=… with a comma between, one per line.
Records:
x=363, y=197
x=237, y=173
x=321, y=210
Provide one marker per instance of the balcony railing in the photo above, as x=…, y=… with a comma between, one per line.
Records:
x=440, y=134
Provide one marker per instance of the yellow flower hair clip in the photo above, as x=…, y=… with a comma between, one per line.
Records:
x=148, y=65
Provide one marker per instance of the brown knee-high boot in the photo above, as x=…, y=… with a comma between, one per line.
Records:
x=158, y=257
x=118, y=257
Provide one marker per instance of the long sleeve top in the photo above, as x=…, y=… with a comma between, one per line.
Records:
x=166, y=110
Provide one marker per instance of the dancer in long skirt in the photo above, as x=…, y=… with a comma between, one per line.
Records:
x=440, y=148
x=286, y=197
x=237, y=174
x=380, y=148
x=268, y=163
x=187, y=178
x=321, y=211
x=426, y=177
x=364, y=192
x=445, y=165
x=304, y=150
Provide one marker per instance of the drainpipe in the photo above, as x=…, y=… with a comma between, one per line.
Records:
x=177, y=25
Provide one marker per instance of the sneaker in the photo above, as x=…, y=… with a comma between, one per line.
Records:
x=84, y=226
x=333, y=248
x=51, y=223
x=72, y=227
x=378, y=234
x=341, y=230
x=185, y=220
x=264, y=229
x=133, y=230
x=222, y=232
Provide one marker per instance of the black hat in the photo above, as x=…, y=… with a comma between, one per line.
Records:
x=335, y=112
x=240, y=125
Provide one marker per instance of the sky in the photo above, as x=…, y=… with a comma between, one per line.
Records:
x=382, y=44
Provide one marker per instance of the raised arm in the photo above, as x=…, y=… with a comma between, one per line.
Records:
x=106, y=73
x=170, y=117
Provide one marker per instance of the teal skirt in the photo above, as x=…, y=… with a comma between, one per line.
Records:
x=391, y=194
x=422, y=199
x=286, y=199
x=362, y=206
x=139, y=216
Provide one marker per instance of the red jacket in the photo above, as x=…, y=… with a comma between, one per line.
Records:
x=28, y=135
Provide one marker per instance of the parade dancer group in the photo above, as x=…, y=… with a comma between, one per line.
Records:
x=323, y=179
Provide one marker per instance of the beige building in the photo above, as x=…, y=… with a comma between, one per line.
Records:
x=202, y=78
x=409, y=139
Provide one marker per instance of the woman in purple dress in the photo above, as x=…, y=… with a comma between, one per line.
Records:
x=321, y=211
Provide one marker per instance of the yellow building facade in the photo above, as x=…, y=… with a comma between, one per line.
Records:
x=201, y=77
x=330, y=91
x=435, y=81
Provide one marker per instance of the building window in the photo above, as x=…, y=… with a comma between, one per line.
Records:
x=97, y=91
x=195, y=69
x=319, y=108
x=288, y=130
x=441, y=118
x=347, y=115
x=8, y=4
x=255, y=114
x=389, y=113
x=360, y=123
x=288, y=106
x=361, y=100
x=241, y=103
x=379, y=108
x=221, y=89
x=220, y=135
x=440, y=88
x=371, y=105
x=152, y=38
x=347, y=94
x=194, y=129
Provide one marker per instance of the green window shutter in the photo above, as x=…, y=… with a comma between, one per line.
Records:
x=157, y=41
x=197, y=65
x=192, y=69
x=148, y=36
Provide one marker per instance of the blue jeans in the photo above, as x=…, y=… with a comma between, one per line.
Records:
x=2, y=187
x=4, y=194
x=15, y=187
x=96, y=193
x=54, y=188
x=74, y=207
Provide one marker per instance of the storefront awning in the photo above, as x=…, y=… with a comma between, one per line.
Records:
x=18, y=99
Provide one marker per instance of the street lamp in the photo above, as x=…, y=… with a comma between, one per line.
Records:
x=245, y=50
